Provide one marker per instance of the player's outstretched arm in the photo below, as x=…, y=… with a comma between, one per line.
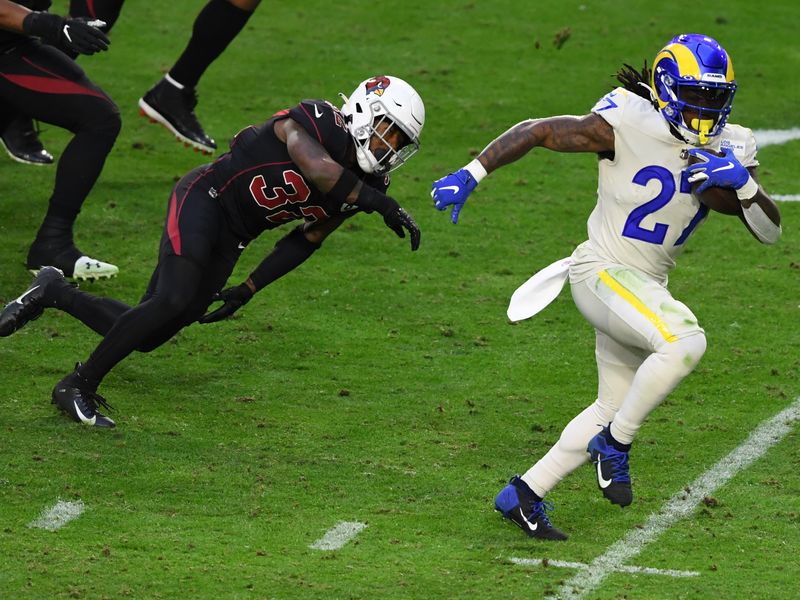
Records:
x=342, y=184
x=289, y=252
x=589, y=133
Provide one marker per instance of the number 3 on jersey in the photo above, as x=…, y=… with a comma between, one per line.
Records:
x=633, y=228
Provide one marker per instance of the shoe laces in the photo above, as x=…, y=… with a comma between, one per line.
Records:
x=538, y=510
x=619, y=465
x=96, y=399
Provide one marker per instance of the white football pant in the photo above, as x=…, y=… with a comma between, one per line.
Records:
x=647, y=342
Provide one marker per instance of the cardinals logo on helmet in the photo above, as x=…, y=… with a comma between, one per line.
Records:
x=377, y=85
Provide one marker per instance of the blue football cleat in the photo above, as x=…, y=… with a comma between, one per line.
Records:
x=613, y=478
x=516, y=502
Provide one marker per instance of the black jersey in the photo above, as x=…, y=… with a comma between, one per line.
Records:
x=9, y=39
x=261, y=188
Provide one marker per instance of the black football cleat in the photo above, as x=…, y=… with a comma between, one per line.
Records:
x=517, y=503
x=28, y=307
x=613, y=477
x=70, y=260
x=21, y=140
x=173, y=108
x=75, y=396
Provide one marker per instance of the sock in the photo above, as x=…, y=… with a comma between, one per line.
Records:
x=214, y=28
x=613, y=441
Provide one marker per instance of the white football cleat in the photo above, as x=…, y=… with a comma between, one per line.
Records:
x=88, y=269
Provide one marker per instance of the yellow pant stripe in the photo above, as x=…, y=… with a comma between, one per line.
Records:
x=637, y=304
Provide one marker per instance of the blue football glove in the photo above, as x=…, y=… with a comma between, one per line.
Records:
x=453, y=190
x=717, y=171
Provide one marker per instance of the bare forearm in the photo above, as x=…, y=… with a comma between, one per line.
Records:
x=12, y=15
x=589, y=133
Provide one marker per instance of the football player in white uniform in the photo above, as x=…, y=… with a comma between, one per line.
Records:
x=643, y=133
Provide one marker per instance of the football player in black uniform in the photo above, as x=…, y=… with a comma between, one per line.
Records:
x=45, y=83
x=312, y=163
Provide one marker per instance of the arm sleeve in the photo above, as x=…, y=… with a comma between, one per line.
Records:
x=289, y=253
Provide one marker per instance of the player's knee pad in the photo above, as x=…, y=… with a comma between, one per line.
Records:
x=685, y=353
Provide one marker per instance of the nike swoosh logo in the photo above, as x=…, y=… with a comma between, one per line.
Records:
x=449, y=187
x=66, y=33
x=531, y=526
x=83, y=417
x=604, y=483
x=347, y=207
x=19, y=300
x=242, y=246
x=725, y=168
x=316, y=112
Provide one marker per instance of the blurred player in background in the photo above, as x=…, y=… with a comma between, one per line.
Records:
x=171, y=102
x=646, y=341
x=43, y=82
x=313, y=163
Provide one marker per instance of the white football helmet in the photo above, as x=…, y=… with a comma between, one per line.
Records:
x=379, y=99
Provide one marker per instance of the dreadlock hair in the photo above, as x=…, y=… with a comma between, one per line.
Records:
x=636, y=81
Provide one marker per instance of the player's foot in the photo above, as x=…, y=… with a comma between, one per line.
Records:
x=78, y=399
x=29, y=306
x=613, y=477
x=21, y=141
x=516, y=502
x=173, y=108
x=66, y=257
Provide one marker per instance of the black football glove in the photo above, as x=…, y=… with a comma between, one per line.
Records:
x=233, y=297
x=398, y=220
x=75, y=35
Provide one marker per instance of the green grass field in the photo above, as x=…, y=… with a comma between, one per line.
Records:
x=378, y=386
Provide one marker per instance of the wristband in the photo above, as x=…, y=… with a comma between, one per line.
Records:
x=477, y=170
x=748, y=190
x=369, y=199
x=343, y=186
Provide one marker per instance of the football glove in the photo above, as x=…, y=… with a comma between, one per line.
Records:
x=76, y=35
x=453, y=190
x=234, y=298
x=717, y=171
x=399, y=220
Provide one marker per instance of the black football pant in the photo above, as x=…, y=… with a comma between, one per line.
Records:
x=44, y=83
x=197, y=254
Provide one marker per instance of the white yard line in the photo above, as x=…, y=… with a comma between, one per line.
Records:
x=532, y=562
x=58, y=515
x=786, y=197
x=338, y=536
x=770, y=137
x=681, y=505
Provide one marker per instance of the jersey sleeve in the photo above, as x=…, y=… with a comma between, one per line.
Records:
x=743, y=143
x=612, y=106
x=323, y=122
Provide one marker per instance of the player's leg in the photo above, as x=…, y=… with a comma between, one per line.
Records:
x=49, y=289
x=192, y=231
x=172, y=100
x=46, y=84
x=637, y=312
x=616, y=367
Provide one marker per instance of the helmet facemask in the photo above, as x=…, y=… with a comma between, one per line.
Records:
x=384, y=157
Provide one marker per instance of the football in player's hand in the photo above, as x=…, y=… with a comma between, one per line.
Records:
x=721, y=200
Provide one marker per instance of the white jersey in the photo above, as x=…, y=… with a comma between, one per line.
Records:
x=645, y=211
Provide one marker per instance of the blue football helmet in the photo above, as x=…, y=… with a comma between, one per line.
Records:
x=693, y=84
